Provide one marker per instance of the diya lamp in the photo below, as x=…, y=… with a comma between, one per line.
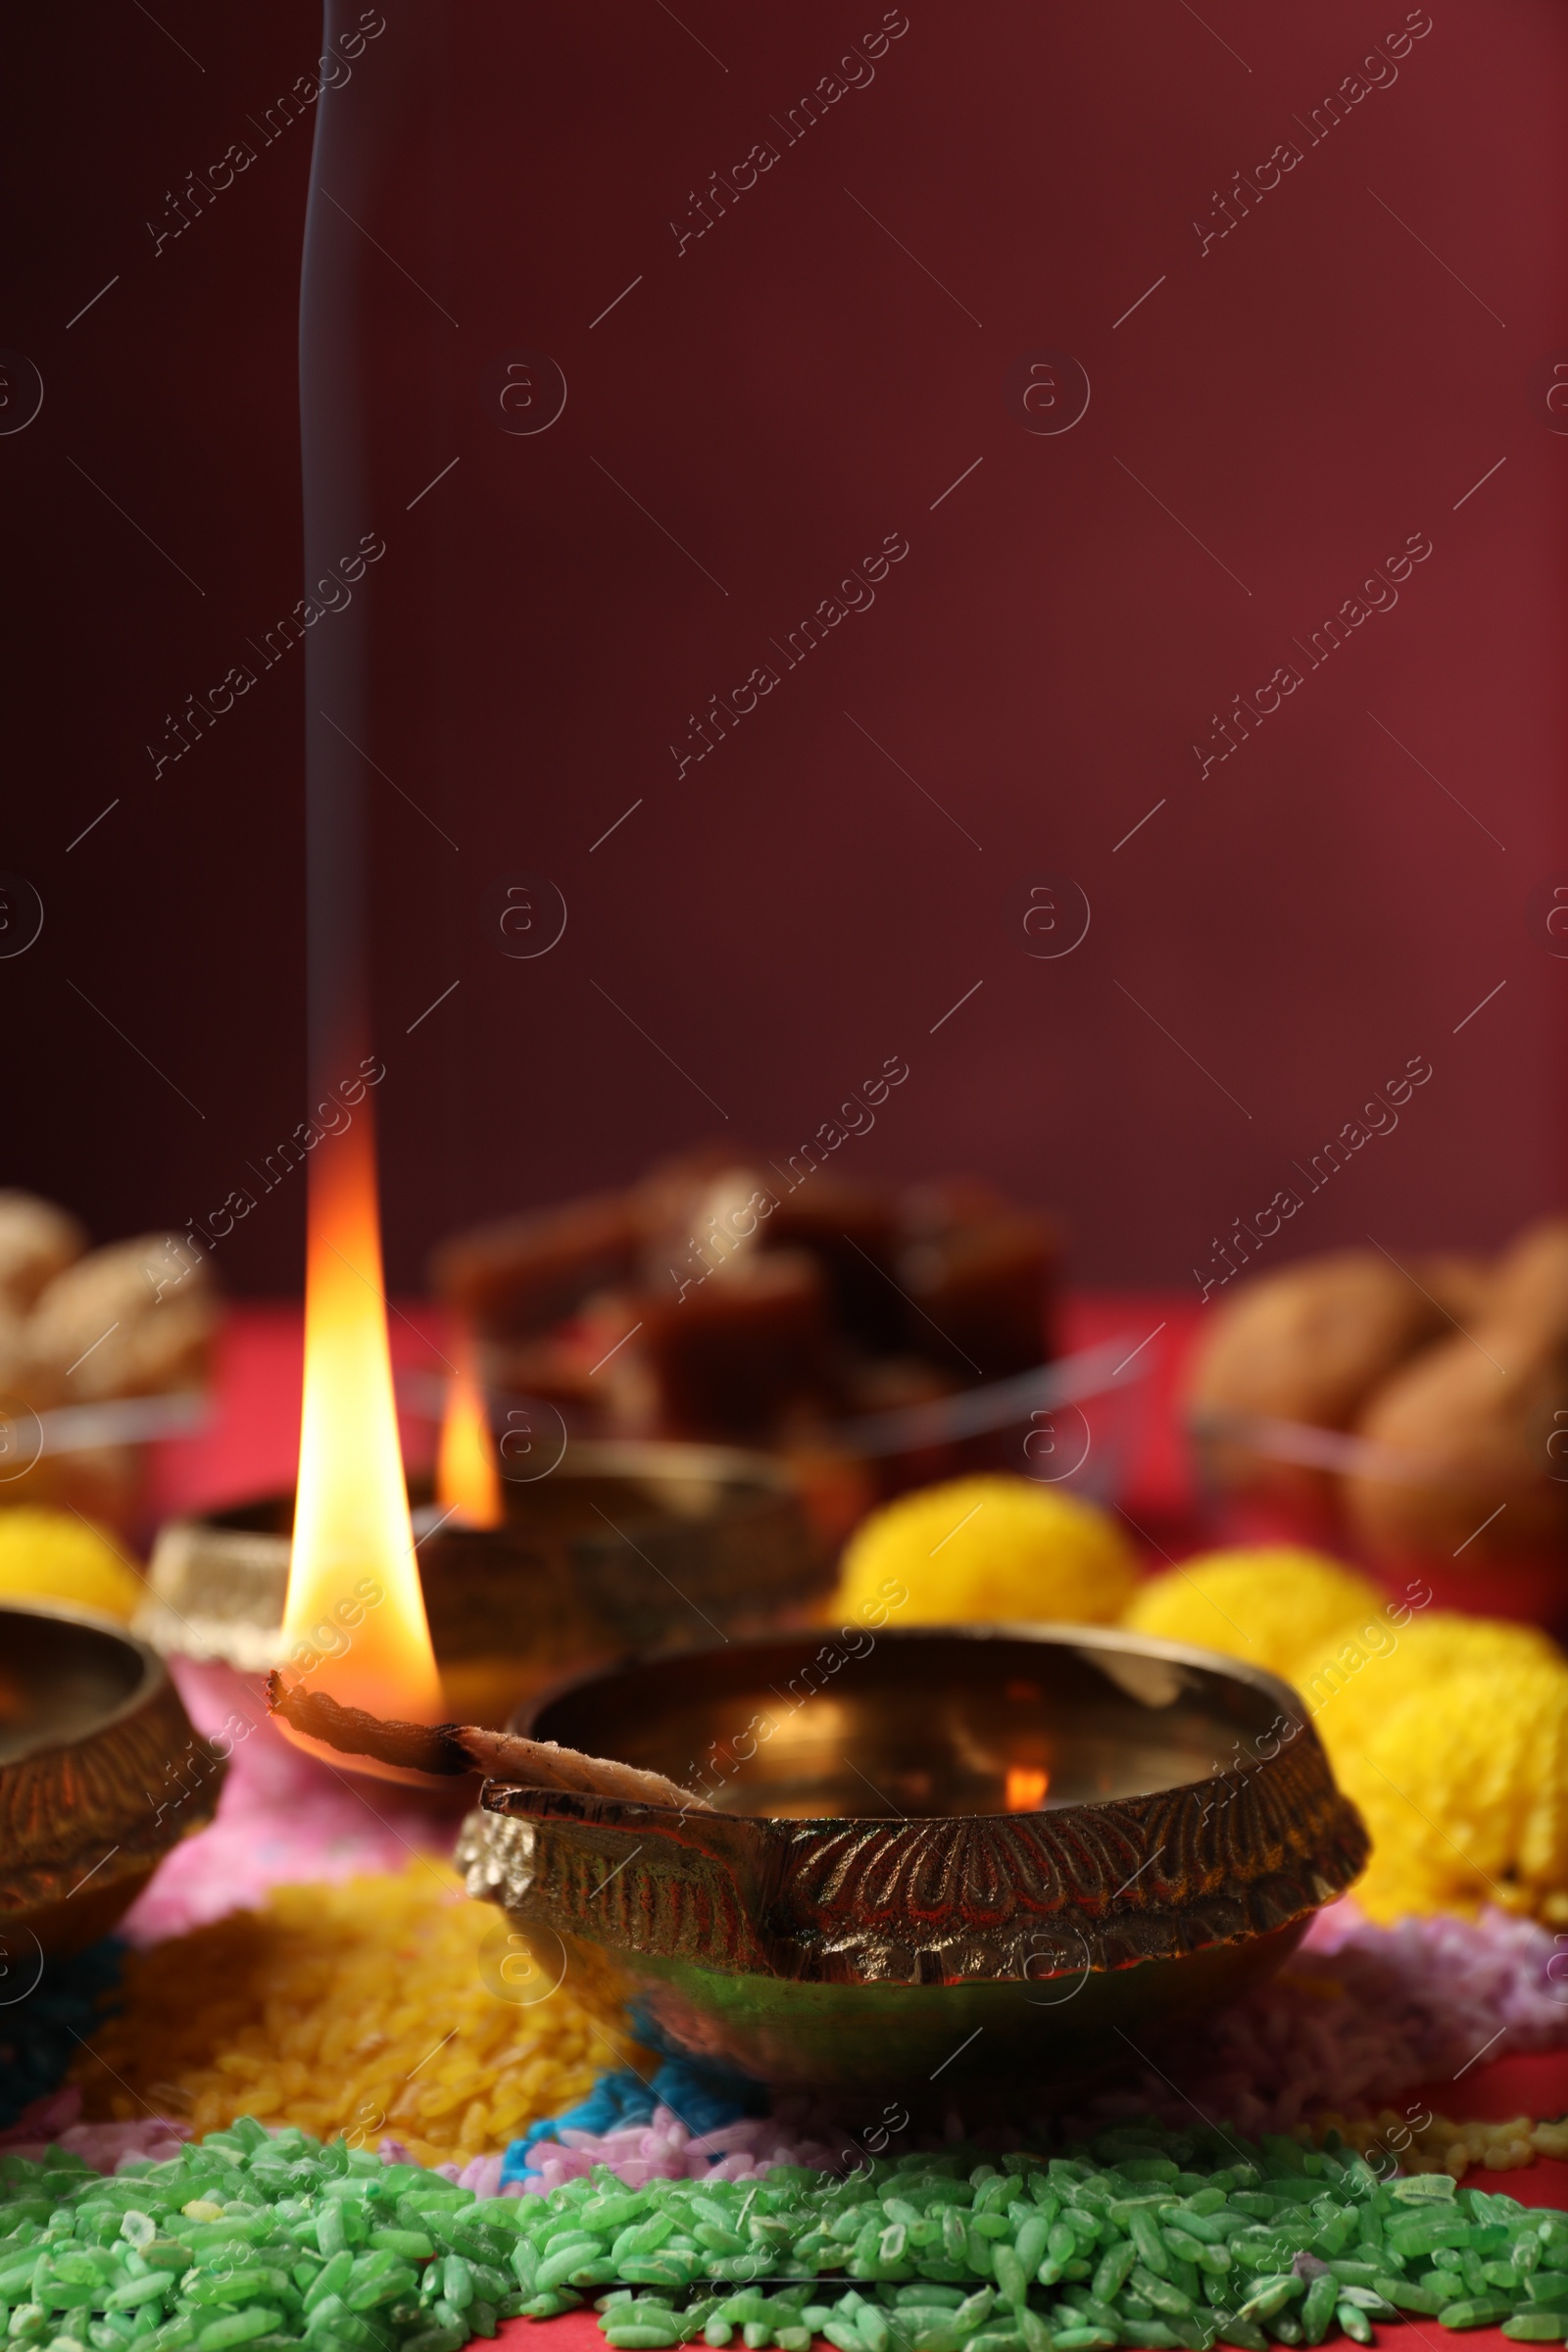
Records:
x=101, y=1774
x=608, y=1549
x=969, y=1858
x=974, y=1859
x=987, y=1861
x=536, y=1557
x=980, y=1860
x=626, y=1547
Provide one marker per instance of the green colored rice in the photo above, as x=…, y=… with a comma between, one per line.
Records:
x=1163, y=2241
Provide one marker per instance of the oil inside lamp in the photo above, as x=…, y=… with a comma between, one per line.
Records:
x=468, y=1482
x=1026, y=1786
x=353, y=1621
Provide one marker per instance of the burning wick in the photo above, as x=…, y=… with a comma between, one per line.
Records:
x=1026, y=1788
x=355, y=1608
x=468, y=1482
x=449, y=1749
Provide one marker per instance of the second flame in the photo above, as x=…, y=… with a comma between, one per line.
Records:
x=467, y=1482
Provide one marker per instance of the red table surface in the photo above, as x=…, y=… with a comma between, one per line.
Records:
x=249, y=1446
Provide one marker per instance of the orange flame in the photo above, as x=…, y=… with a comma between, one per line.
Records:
x=467, y=1482
x=1026, y=1788
x=355, y=1613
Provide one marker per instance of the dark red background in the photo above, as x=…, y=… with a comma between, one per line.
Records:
x=1315, y=388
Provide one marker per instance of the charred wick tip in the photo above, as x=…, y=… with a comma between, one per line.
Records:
x=415, y=1747
x=448, y=1750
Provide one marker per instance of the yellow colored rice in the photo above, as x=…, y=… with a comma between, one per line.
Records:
x=1437, y=2145
x=361, y=2008
x=976, y=1550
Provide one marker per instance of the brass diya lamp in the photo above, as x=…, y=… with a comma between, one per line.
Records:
x=101, y=1773
x=625, y=1547
x=594, y=1550
x=579, y=1552
x=943, y=1860
x=946, y=1861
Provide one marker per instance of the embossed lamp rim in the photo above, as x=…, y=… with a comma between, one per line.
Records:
x=153, y=1671
x=80, y=1831
x=939, y=1898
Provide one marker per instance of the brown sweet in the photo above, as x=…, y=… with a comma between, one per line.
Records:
x=37, y=1242
x=698, y=1214
x=850, y=1230
x=1308, y=1343
x=1465, y=1288
x=518, y=1276
x=1481, y=1420
x=556, y=1368
x=974, y=1294
x=713, y=1204
x=745, y=1349
x=1530, y=1281
x=666, y=1204
x=129, y=1320
x=939, y=1203
x=730, y=1295
x=14, y=1357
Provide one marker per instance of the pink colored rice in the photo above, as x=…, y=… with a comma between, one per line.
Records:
x=282, y=1819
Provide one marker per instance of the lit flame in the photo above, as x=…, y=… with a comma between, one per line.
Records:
x=1026, y=1788
x=468, y=1482
x=354, y=1614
